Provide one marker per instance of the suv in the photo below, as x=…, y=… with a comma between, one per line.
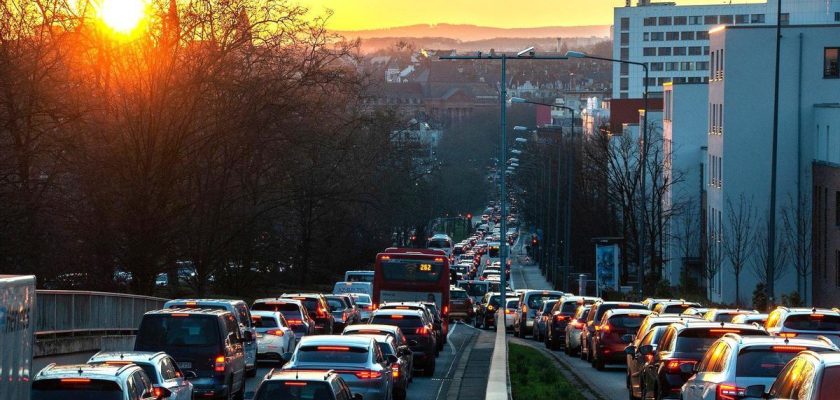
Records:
x=559, y=316
x=804, y=322
x=240, y=311
x=100, y=382
x=437, y=328
x=280, y=384
x=419, y=332
x=460, y=305
x=530, y=301
x=808, y=376
x=379, y=329
x=613, y=334
x=344, y=311
x=735, y=362
x=681, y=346
x=725, y=314
x=594, y=318
x=317, y=306
x=159, y=367
x=293, y=310
x=207, y=342
x=674, y=307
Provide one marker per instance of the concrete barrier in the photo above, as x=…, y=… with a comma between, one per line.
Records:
x=80, y=344
x=498, y=383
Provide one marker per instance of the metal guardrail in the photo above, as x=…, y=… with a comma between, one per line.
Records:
x=62, y=312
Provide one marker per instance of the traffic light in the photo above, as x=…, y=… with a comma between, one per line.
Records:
x=469, y=216
x=535, y=242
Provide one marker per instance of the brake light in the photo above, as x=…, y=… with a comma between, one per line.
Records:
x=673, y=366
x=157, y=392
x=220, y=364
x=179, y=315
x=368, y=374
x=422, y=331
x=395, y=371
x=559, y=318
x=75, y=380
x=275, y=332
x=439, y=259
x=294, y=321
x=445, y=310
x=385, y=258
x=725, y=330
x=603, y=328
x=402, y=308
x=795, y=349
x=396, y=317
x=333, y=348
x=508, y=311
x=729, y=392
x=788, y=334
x=295, y=383
x=191, y=304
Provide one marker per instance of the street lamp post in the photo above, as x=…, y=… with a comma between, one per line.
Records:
x=642, y=239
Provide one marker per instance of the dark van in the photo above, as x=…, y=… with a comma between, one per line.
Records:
x=206, y=342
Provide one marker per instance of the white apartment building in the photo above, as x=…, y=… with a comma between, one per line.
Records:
x=740, y=125
x=674, y=40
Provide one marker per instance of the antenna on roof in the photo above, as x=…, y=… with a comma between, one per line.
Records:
x=80, y=371
x=721, y=324
x=121, y=356
x=814, y=310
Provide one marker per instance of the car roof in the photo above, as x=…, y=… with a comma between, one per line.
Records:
x=530, y=292
x=733, y=311
x=206, y=301
x=753, y=340
x=378, y=338
x=627, y=311
x=672, y=302
x=300, y=375
x=196, y=311
x=333, y=340
x=94, y=371
x=804, y=310
x=293, y=295
x=702, y=324
x=395, y=311
x=129, y=356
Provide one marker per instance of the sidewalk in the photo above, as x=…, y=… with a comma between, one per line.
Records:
x=528, y=277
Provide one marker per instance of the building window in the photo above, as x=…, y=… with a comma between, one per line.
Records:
x=679, y=51
x=687, y=35
x=664, y=51
x=756, y=18
x=624, y=84
x=710, y=20
x=705, y=50
x=679, y=79
x=837, y=269
x=836, y=208
x=785, y=19
x=672, y=66
x=625, y=38
x=625, y=53
x=695, y=20
x=695, y=50
x=645, y=36
x=672, y=36
x=695, y=79
x=662, y=81
x=664, y=21
x=656, y=66
x=742, y=18
x=832, y=56
x=649, y=51
x=726, y=19
x=703, y=35
x=625, y=23
x=687, y=66
x=680, y=20
x=837, y=16
x=650, y=82
x=649, y=21
x=624, y=68
x=623, y=95
x=657, y=36
x=702, y=65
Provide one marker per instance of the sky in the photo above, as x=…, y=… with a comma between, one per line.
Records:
x=374, y=14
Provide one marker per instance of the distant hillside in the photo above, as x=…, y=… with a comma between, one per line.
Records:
x=543, y=44
x=465, y=32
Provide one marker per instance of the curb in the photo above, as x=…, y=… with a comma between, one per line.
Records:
x=498, y=381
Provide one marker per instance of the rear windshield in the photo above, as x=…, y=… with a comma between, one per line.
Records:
x=569, y=307
x=362, y=299
x=310, y=304
x=332, y=354
x=627, y=321
x=458, y=295
x=406, y=322
x=385, y=348
x=813, y=322
x=336, y=304
x=439, y=244
x=513, y=304
x=675, y=308
x=537, y=300
x=54, y=389
x=178, y=331
x=725, y=317
x=270, y=390
x=603, y=308
x=366, y=277
x=474, y=289
x=289, y=310
x=699, y=340
x=765, y=362
x=830, y=385
x=585, y=313
x=265, y=322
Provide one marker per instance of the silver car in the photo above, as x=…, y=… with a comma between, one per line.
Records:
x=160, y=367
x=735, y=362
x=808, y=376
x=575, y=328
x=357, y=359
x=100, y=382
x=275, y=337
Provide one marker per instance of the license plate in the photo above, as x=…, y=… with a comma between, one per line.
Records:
x=260, y=336
x=185, y=365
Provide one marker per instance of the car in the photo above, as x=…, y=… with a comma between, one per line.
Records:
x=574, y=329
x=364, y=304
x=678, y=350
x=804, y=323
x=275, y=338
x=561, y=314
x=674, y=307
x=725, y=314
x=378, y=329
x=304, y=385
x=100, y=382
x=613, y=333
x=296, y=314
x=529, y=302
x=440, y=323
x=401, y=370
x=358, y=359
x=594, y=318
x=161, y=369
x=735, y=362
x=542, y=319
x=207, y=342
x=652, y=302
x=808, y=376
x=418, y=330
x=240, y=311
x=318, y=309
x=758, y=319
x=485, y=315
x=344, y=311
x=511, y=304
x=437, y=327
x=637, y=362
x=653, y=320
x=695, y=311
x=460, y=305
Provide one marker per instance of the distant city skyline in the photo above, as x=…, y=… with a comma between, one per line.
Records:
x=378, y=14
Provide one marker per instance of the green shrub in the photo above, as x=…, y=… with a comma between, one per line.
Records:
x=533, y=376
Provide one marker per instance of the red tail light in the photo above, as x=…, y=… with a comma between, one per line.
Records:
x=395, y=371
x=729, y=392
x=368, y=374
x=673, y=366
x=219, y=364
x=275, y=332
x=445, y=310
x=558, y=318
x=790, y=349
x=322, y=313
x=422, y=331
x=294, y=321
x=788, y=335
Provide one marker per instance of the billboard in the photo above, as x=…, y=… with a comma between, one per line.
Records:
x=606, y=267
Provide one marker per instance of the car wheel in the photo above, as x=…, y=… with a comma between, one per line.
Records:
x=430, y=368
x=599, y=364
x=251, y=372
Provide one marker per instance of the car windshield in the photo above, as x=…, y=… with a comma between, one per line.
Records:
x=406, y=322
x=627, y=322
x=55, y=389
x=264, y=322
x=474, y=289
x=766, y=362
x=569, y=307
x=336, y=304
x=405, y=270
x=675, y=308
x=439, y=244
x=813, y=322
x=458, y=295
x=361, y=299
x=289, y=310
x=332, y=354
x=603, y=308
x=270, y=390
x=513, y=304
x=178, y=330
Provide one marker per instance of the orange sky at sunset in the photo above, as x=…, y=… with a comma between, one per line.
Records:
x=373, y=14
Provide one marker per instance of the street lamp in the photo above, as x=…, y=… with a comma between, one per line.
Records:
x=516, y=151
x=513, y=159
x=521, y=140
x=518, y=128
x=642, y=244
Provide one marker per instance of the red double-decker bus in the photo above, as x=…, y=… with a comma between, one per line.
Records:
x=412, y=275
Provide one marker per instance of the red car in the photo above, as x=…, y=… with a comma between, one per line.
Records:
x=612, y=335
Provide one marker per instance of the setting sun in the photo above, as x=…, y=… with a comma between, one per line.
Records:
x=122, y=16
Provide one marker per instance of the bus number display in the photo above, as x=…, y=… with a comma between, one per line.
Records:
x=426, y=267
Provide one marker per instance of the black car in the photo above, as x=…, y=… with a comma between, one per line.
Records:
x=316, y=305
x=678, y=350
x=636, y=361
x=485, y=315
x=207, y=342
x=343, y=310
x=419, y=332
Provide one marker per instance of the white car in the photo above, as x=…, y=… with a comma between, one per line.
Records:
x=511, y=305
x=100, y=382
x=160, y=367
x=275, y=339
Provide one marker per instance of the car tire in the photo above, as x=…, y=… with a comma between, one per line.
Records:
x=630, y=396
x=250, y=373
x=430, y=368
x=598, y=364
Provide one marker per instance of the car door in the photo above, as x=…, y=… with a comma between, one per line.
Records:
x=246, y=324
x=235, y=352
x=636, y=361
x=173, y=379
x=711, y=377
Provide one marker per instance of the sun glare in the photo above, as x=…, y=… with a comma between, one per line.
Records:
x=123, y=16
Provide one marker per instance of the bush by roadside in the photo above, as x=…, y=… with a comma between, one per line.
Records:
x=535, y=377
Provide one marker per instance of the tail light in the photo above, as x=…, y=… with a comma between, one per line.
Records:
x=559, y=318
x=422, y=331
x=445, y=310
x=508, y=311
x=729, y=392
x=603, y=328
x=788, y=335
x=219, y=365
x=275, y=332
x=395, y=371
x=368, y=374
x=322, y=313
x=294, y=321
x=673, y=366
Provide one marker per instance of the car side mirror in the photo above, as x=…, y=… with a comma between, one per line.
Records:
x=189, y=374
x=392, y=359
x=358, y=396
x=756, y=391
x=628, y=338
x=630, y=350
x=646, y=350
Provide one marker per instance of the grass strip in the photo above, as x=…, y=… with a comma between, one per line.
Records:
x=533, y=376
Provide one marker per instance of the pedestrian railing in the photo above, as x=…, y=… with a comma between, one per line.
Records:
x=70, y=312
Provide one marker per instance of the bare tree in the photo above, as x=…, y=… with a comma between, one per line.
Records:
x=763, y=270
x=713, y=257
x=689, y=233
x=798, y=222
x=738, y=246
